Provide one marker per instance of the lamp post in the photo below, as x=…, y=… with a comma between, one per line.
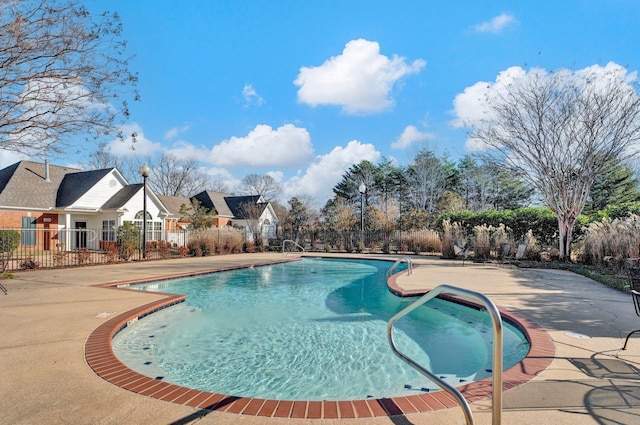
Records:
x=362, y=189
x=144, y=172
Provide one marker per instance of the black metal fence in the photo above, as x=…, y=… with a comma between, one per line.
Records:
x=381, y=241
x=33, y=248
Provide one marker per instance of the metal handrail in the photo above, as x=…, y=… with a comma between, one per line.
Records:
x=497, y=348
x=284, y=242
x=397, y=263
x=3, y=289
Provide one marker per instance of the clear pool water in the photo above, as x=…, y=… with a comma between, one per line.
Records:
x=308, y=330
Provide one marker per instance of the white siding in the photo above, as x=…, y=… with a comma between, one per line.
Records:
x=100, y=193
x=136, y=204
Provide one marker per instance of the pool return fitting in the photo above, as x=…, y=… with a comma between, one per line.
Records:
x=497, y=348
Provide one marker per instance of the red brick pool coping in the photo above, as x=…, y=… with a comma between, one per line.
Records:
x=101, y=358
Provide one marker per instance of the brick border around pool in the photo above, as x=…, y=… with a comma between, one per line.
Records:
x=101, y=358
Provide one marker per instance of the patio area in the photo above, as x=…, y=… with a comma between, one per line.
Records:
x=48, y=314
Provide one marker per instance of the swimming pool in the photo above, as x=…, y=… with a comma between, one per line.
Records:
x=308, y=330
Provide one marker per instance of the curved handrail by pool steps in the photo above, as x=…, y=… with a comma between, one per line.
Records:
x=497, y=348
x=397, y=263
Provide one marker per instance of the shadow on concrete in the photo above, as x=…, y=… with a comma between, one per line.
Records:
x=610, y=392
x=564, y=301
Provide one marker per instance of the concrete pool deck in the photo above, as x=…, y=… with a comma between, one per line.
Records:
x=48, y=315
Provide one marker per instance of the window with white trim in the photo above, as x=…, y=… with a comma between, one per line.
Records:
x=109, y=230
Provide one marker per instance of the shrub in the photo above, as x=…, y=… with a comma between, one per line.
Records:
x=60, y=259
x=128, y=240
x=9, y=240
x=215, y=241
x=83, y=256
x=421, y=241
x=29, y=264
x=201, y=244
x=519, y=221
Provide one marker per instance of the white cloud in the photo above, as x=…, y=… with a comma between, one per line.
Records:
x=251, y=96
x=287, y=146
x=360, y=79
x=497, y=24
x=186, y=151
x=8, y=157
x=174, y=132
x=128, y=148
x=409, y=136
x=471, y=106
x=224, y=176
x=327, y=170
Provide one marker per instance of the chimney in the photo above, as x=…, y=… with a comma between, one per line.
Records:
x=46, y=171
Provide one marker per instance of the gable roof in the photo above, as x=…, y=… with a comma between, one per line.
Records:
x=25, y=184
x=122, y=196
x=74, y=185
x=214, y=200
x=230, y=206
x=174, y=203
x=237, y=204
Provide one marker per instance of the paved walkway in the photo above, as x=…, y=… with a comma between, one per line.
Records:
x=47, y=316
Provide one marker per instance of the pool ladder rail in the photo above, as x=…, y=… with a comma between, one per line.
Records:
x=497, y=349
x=397, y=263
x=3, y=289
x=284, y=244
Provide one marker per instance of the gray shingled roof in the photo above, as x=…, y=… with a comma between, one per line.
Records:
x=237, y=204
x=24, y=185
x=227, y=205
x=174, y=203
x=122, y=197
x=215, y=200
x=74, y=185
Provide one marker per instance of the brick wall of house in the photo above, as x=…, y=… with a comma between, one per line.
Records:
x=46, y=240
x=11, y=219
x=223, y=222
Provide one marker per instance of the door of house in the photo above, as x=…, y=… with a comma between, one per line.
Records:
x=47, y=237
x=81, y=234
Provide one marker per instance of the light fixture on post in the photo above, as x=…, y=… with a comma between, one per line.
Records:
x=362, y=189
x=144, y=172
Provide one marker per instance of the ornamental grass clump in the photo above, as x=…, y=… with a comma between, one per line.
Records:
x=482, y=246
x=612, y=241
x=451, y=233
x=532, y=252
x=422, y=241
x=499, y=235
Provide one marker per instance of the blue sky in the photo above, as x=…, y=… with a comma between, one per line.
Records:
x=303, y=90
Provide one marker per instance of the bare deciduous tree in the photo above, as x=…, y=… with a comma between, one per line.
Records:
x=427, y=180
x=560, y=131
x=61, y=73
x=217, y=185
x=251, y=213
x=174, y=177
x=264, y=185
